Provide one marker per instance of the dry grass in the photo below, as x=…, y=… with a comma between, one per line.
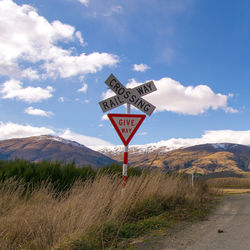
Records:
x=229, y=182
x=43, y=220
x=235, y=190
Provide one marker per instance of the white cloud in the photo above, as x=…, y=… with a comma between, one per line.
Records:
x=210, y=136
x=11, y=130
x=172, y=96
x=83, y=88
x=231, y=110
x=104, y=118
x=140, y=67
x=84, y=2
x=28, y=37
x=79, y=36
x=65, y=65
x=61, y=99
x=143, y=133
x=107, y=94
x=30, y=74
x=231, y=136
x=38, y=112
x=83, y=139
x=13, y=89
x=114, y=9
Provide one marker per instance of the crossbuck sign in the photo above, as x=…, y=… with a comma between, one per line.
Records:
x=127, y=95
x=126, y=125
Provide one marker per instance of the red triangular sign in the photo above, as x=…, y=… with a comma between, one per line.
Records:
x=126, y=125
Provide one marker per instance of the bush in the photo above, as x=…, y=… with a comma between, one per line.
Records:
x=62, y=176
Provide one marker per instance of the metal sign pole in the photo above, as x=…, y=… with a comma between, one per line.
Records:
x=125, y=158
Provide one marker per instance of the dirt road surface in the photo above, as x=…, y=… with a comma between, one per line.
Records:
x=227, y=228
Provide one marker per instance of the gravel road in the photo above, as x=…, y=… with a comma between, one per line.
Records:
x=228, y=228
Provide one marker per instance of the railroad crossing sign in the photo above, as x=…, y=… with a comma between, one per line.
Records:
x=126, y=125
x=127, y=95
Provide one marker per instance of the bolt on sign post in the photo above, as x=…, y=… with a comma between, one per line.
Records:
x=127, y=124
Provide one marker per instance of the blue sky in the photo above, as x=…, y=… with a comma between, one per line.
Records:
x=56, y=55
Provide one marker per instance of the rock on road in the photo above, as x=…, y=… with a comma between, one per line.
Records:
x=227, y=228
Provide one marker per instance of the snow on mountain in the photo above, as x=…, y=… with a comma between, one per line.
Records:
x=59, y=139
x=220, y=146
x=160, y=147
x=203, y=158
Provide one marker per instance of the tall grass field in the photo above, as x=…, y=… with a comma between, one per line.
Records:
x=230, y=182
x=94, y=212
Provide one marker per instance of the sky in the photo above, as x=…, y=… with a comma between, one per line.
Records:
x=55, y=56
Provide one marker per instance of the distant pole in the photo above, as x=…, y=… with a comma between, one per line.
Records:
x=192, y=179
x=125, y=158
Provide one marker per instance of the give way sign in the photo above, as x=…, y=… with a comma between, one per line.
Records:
x=126, y=125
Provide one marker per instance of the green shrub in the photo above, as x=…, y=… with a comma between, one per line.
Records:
x=61, y=175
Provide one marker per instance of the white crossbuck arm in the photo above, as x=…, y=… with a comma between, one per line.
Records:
x=126, y=95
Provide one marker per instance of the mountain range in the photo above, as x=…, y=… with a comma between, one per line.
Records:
x=51, y=148
x=205, y=158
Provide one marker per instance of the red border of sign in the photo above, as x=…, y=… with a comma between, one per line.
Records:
x=126, y=142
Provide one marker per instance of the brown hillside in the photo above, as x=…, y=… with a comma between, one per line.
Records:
x=39, y=148
x=207, y=158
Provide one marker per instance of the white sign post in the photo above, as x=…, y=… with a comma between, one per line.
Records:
x=127, y=124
